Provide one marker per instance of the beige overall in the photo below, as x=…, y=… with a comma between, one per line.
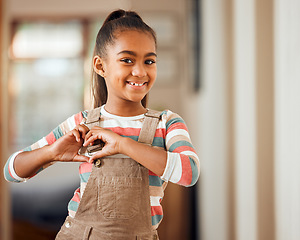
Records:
x=116, y=202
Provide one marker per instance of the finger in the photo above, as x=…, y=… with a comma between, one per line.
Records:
x=90, y=140
x=93, y=130
x=95, y=156
x=83, y=129
x=81, y=158
x=76, y=134
x=88, y=135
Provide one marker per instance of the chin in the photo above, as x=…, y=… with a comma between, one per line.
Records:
x=135, y=100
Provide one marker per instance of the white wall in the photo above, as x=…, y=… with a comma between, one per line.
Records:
x=261, y=71
x=244, y=119
x=287, y=115
x=209, y=130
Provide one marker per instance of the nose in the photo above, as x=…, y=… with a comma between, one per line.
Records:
x=139, y=70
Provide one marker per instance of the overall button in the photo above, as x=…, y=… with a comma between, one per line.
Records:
x=68, y=224
x=97, y=163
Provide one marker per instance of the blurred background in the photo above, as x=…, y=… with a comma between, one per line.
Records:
x=230, y=68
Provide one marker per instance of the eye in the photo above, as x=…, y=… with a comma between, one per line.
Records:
x=126, y=60
x=149, y=62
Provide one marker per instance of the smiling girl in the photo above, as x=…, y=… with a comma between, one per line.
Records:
x=123, y=178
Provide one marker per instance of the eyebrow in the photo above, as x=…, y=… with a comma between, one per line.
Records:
x=134, y=54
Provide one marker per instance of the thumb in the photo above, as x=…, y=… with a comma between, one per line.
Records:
x=97, y=155
x=80, y=158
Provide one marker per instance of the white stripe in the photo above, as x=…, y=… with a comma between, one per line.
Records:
x=12, y=170
x=107, y=114
x=155, y=201
x=166, y=174
x=71, y=123
x=161, y=124
x=173, y=170
x=115, y=123
x=82, y=188
x=177, y=132
x=111, y=123
x=42, y=142
x=72, y=213
x=177, y=169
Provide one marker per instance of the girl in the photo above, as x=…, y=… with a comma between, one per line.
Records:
x=122, y=180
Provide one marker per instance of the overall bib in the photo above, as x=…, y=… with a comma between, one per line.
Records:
x=116, y=201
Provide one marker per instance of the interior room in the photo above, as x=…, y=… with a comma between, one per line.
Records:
x=229, y=68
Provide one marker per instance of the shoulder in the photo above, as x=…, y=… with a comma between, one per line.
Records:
x=170, y=117
x=78, y=117
x=170, y=120
x=71, y=122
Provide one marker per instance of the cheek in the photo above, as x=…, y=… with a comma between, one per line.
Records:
x=153, y=73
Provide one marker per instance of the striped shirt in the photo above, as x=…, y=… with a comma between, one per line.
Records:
x=171, y=134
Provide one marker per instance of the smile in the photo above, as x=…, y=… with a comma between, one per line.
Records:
x=136, y=84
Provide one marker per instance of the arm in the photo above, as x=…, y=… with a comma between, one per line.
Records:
x=183, y=166
x=65, y=149
x=33, y=159
x=153, y=158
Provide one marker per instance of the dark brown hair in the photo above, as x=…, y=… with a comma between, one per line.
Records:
x=116, y=22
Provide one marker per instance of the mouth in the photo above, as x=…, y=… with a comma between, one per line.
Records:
x=137, y=84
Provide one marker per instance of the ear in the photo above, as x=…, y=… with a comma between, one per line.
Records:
x=98, y=65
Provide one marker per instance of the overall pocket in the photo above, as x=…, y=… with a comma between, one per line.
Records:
x=119, y=196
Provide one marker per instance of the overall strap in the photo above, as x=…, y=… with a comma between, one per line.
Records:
x=92, y=120
x=148, y=130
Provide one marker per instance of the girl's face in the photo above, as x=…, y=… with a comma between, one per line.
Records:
x=129, y=68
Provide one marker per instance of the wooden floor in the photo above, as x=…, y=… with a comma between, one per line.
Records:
x=26, y=231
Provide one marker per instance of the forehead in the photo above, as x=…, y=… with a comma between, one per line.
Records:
x=132, y=40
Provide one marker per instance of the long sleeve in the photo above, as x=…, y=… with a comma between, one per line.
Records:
x=61, y=130
x=183, y=166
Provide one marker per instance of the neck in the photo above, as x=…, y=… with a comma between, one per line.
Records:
x=125, y=109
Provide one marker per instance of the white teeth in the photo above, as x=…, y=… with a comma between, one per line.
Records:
x=136, y=84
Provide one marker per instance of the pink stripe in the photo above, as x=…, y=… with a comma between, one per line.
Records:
x=126, y=131
x=76, y=197
x=85, y=167
x=187, y=174
x=78, y=118
x=176, y=126
x=136, y=131
x=152, y=173
x=50, y=138
x=160, y=132
x=156, y=210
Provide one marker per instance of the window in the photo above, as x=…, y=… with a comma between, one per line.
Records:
x=46, y=86
x=47, y=78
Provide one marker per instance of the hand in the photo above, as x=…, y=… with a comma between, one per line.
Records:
x=66, y=148
x=111, y=140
